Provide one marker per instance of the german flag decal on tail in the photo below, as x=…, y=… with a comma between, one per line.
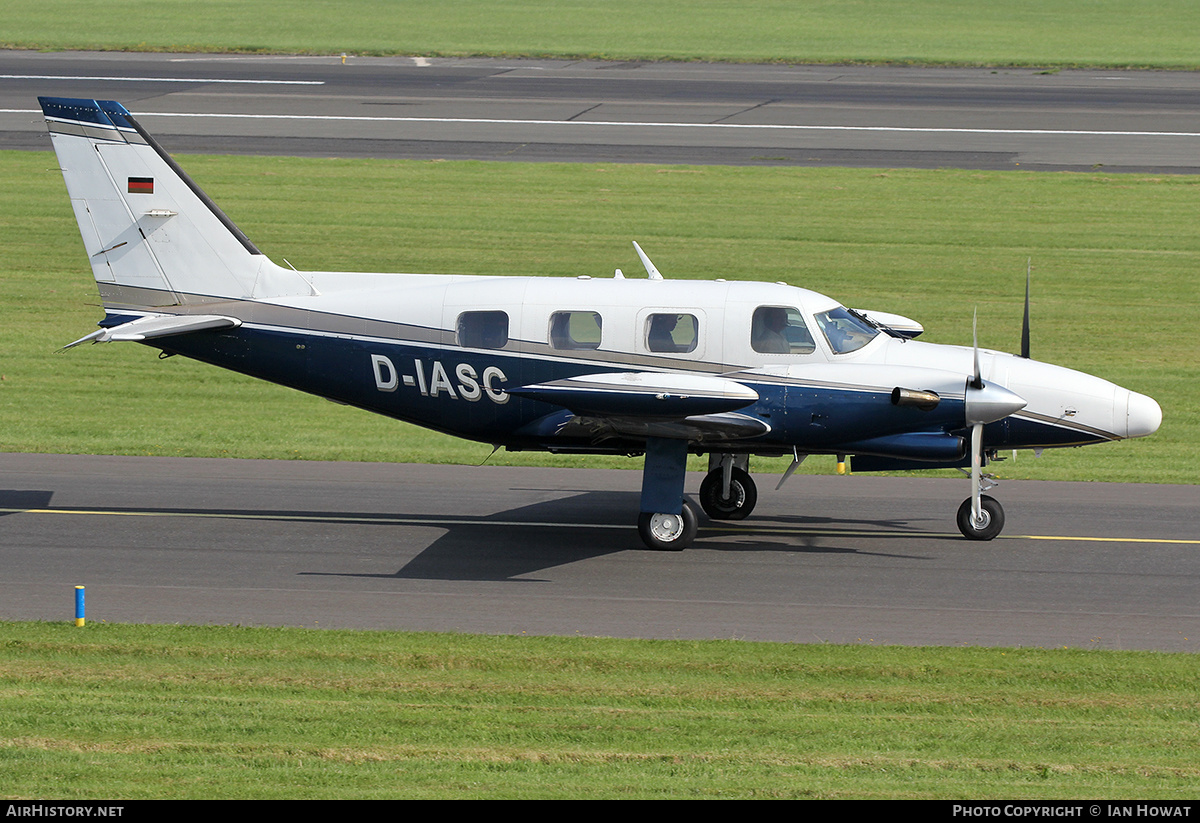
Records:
x=141, y=185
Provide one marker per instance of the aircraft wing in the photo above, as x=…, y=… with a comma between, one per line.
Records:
x=639, y=405
x=642, y=394
x=157, y=325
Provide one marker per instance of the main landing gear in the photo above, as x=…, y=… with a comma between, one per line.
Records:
x=667, y=521
x=668, y=532
x=728, y=492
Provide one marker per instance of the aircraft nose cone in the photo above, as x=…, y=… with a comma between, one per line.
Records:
x=1143, y=415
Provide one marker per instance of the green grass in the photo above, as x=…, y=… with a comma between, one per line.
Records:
x=1114, y=259
x=127, y=712
x=1142, y=33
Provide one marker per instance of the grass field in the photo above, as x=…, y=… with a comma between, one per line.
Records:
x=1114, y=258
x=177, y=712
x=1141, y=33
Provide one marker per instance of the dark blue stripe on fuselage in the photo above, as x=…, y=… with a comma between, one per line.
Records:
x=456, y=391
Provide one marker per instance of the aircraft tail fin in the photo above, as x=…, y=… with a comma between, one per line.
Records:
x=153, y=237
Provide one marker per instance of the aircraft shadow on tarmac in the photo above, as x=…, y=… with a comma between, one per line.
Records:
x=13, y=501
x=528, y=539
x=511, y=544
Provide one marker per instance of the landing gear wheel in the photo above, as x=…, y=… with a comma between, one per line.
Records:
x=991, y=521
x=668, y=532
x=743, y=495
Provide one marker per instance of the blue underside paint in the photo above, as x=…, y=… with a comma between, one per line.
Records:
x=444, y=389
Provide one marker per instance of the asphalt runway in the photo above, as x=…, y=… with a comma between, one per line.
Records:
x=496, y=109
x=827, y=559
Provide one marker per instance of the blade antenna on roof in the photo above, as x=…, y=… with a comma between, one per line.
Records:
x=650, y=269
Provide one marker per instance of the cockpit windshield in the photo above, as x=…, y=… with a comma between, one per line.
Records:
x=845, y=330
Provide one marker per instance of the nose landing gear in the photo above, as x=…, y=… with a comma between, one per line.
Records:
x=980, y=517
x=989, y=523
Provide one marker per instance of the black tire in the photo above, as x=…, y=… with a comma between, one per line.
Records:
x=669, y=532
x=993, y=519
x=743, y=495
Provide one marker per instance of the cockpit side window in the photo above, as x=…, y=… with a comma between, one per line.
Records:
x=575, y=330
x=482, y=329
x=845, y=331
x=780, y=330
x=677, y=333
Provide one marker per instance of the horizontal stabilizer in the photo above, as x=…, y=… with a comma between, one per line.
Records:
x=641, y=394
x=158, y=325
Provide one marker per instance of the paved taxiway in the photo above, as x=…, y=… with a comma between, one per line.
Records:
x=552, y=551
x=626, y=112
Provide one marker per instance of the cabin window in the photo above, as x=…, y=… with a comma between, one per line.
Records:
x=483, y=329
x=845, y=331
x=780, y=330
x=574, y=330
x=672, y=332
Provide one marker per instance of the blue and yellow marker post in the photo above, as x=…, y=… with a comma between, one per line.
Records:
x=79, y=619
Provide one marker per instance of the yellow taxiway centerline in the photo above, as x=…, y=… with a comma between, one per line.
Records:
x=742, y=529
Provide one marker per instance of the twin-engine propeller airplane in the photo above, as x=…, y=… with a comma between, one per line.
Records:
x=567, y=365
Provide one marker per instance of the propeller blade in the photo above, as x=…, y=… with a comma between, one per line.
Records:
x=977, y=380
x=1025, y=322
x=987, y=402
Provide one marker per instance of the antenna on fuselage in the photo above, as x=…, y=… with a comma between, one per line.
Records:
x=650, y=269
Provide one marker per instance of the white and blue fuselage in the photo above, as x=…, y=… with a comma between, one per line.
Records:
x=605, y=365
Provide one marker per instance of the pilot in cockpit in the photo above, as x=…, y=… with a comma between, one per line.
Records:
x=766, y=333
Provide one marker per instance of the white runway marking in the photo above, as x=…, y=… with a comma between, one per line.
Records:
x=626, y=124
x=449, y=522
x=160, y=79
x=639, y=124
